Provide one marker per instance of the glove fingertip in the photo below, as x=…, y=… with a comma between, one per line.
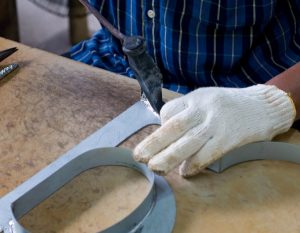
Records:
x=159, y=167
x=140, y=155
x=157, y=170
x=187, y=169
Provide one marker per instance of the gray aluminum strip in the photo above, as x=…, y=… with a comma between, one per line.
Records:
x=158, y=203
x=36, y=189
x=47, y=181
x=258, y=151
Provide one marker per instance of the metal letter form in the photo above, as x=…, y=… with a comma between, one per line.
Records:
x=98, y=149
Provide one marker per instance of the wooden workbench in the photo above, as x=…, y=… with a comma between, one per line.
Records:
x=52, y=103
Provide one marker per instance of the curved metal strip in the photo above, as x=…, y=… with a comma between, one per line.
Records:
x=158, y=202
x=258, y=151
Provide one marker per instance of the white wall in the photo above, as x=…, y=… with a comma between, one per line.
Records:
x=41, y=29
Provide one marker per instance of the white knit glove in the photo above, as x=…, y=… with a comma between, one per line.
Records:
x=200, y=127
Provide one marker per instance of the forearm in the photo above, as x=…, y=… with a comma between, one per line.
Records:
x=289, y=81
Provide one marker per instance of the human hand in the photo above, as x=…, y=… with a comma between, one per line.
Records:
x=200, y=127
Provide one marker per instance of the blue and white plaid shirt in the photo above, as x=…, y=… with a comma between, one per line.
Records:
x=233, y=43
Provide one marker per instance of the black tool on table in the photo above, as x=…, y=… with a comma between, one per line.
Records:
x=7, y=52
x=146, y=71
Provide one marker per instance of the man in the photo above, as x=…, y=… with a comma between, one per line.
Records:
x=248, y=50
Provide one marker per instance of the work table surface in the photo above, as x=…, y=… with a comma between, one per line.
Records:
x=52, y=103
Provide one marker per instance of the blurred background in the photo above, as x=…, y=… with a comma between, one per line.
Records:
x=51, y=25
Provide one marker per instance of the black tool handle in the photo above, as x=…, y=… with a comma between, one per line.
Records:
x=146, y=71
x=6, y=53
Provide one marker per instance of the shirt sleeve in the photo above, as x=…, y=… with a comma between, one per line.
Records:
x=102, y=51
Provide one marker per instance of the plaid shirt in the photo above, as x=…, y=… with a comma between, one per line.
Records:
x=233, y=43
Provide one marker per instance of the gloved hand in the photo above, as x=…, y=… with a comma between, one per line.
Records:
x=200, y=127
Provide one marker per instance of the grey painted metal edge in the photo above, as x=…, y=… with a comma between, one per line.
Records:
x=159, y=202
x=19, y=201
x=36, y=189
x=268, y=150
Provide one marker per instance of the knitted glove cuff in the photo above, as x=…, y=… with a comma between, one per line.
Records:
x=279, y=106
